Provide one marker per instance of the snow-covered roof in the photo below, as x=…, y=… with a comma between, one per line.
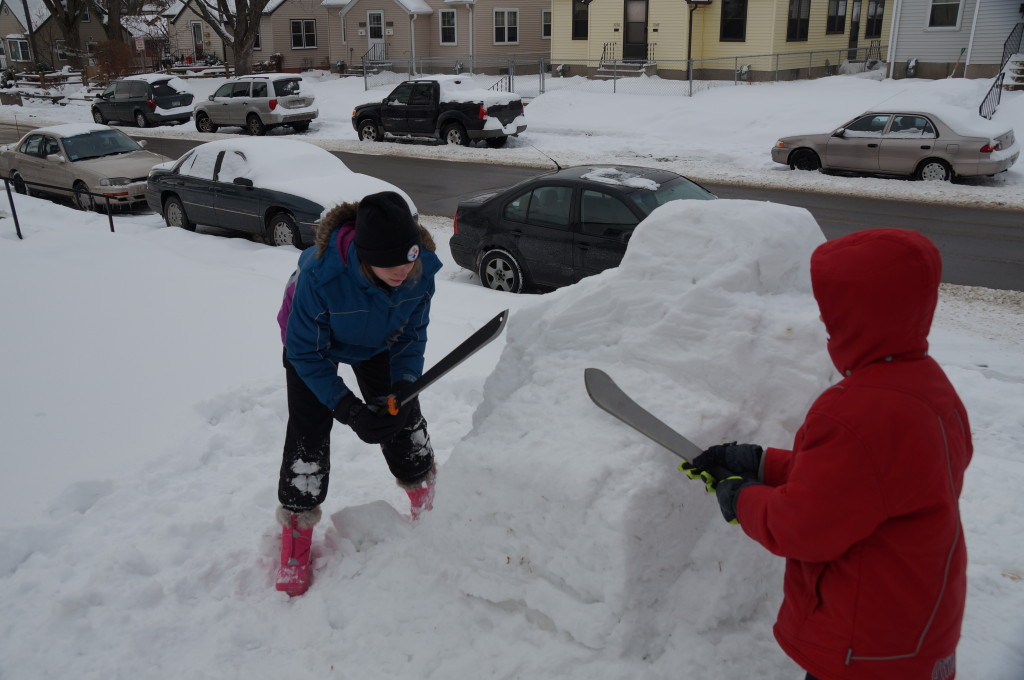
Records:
x=37, y=10
x=145, y=26
x=410, y=6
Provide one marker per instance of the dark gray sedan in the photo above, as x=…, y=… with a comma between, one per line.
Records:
x=276, y=188
x=928, y=145
x=554, y=229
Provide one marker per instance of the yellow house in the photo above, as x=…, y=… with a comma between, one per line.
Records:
x=717, y=37
x=15, y=51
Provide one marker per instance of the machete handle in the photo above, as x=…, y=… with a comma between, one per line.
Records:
x=393, y=405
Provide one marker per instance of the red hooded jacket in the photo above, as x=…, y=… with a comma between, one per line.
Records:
x=866, y=506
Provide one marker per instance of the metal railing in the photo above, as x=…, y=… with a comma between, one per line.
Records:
x=21, y=187
x=995, y=93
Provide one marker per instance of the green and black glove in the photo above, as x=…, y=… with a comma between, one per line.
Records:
x=739, y=459
x=728, y=492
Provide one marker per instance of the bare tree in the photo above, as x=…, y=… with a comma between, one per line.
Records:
x=114, y=10
x=68, y=16
x=236, y=22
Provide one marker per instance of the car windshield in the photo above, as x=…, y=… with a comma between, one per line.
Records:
x=678, y=188
x=98, y=144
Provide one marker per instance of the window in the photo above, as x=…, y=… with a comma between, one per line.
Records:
x=303, y=34
x=259, y=89
x=545, y=23
x=836, y=22
x=506, y=26
x=232, y=165
x=224, y=90
x=240, y=89
x=911, y=127
x=287, y=86
x=400, y=95
x=31, y=145
x=448, y=27
x=85, y=15
x=580, y=19
x=422, y=94
x=256, y=43
x=944, y=14
x=734, y=21
x=19, y=50
x=62, y=49
x=867, y=126
x=873, y=28
x=544, y=206
x=799, y=19
x=605, y=215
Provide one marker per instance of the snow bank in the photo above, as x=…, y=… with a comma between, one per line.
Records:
x=709, y=322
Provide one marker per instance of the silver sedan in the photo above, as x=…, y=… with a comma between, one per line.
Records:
x=90, y=163
x=917, y=144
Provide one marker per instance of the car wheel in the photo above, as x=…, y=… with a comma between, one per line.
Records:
x=83, y=199
x=281, y=231
x=804, y=159
x=496, y=142
x=255, y=126
x=140, y=119
x=454, y=133
x=301, y=127
x=500, y=271
x=369, y=132
x=934, y=170
x=98, y=117
x=204, y=124
x=174, y=215
x=19, y=183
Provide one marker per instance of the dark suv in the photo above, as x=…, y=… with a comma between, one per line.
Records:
x=145, y=100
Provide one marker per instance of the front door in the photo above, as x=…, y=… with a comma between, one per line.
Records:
x=375, y=35
x=198, y=47
x=854, y=29
x=634, y=40
x=857, y=148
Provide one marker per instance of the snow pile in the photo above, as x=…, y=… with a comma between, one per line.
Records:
x=710, y=324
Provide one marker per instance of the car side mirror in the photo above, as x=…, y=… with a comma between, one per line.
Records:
x=841, y=132
x=210, y=98
x=142, y=142
x=55, y=158
x=242, y=182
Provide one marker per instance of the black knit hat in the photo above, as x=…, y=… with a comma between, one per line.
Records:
x=386, y=233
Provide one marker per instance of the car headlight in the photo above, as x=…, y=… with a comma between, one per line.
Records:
x=114, y=181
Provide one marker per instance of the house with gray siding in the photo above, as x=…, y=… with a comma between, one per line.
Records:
x=937, y=38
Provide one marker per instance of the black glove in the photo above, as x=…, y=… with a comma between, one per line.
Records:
x=728, y=492
x=372, y=424
x=739, y=459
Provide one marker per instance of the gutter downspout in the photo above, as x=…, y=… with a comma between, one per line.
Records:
x=689, y=34
x=970, y=42
x=893, y=36
x=472, y=38
x=412, y=37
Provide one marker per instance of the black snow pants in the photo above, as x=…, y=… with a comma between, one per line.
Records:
x=306, y=463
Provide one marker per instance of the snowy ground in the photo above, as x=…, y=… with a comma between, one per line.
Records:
x=143, y=415
x=724, y=134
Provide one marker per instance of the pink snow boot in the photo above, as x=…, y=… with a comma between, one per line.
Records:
x=295, y=573
x=421, y=495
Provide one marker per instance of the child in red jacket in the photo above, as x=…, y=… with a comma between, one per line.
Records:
x=865, y=508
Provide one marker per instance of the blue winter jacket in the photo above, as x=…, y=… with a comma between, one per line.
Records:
x=337, y=316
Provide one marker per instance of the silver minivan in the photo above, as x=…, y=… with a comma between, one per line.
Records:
x=258, y=102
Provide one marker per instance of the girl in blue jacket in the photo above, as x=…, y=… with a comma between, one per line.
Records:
x=360, y=296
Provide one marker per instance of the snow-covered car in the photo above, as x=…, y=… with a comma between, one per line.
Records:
x=451, y=109
x=558, y=227
x=77, y=160
x=146, y=99
x=258, y=102
x=272, y=187
x=930, y=145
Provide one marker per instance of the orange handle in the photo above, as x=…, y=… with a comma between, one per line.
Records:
x=393, y=405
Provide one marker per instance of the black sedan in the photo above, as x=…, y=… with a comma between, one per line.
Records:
x=557, y=228
x=276, y=188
